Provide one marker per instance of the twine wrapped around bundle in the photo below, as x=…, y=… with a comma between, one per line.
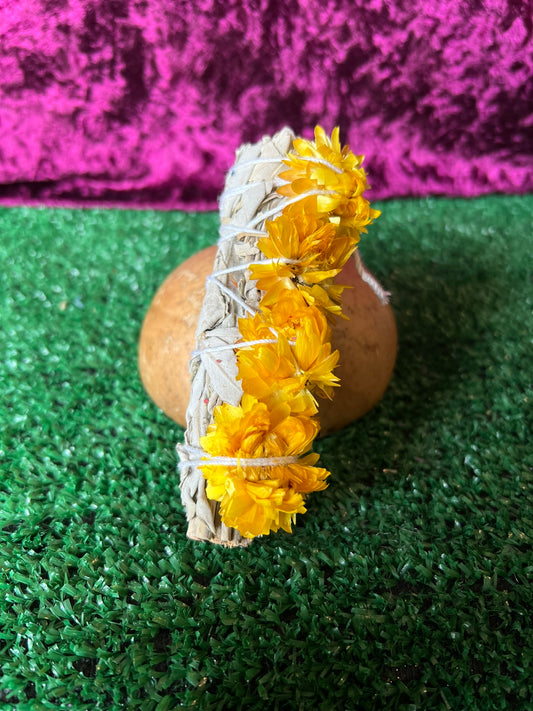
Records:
x=249, y=198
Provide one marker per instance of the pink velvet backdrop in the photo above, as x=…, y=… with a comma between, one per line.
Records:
x=137, y=102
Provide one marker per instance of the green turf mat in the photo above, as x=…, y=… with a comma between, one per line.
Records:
x=407, y=584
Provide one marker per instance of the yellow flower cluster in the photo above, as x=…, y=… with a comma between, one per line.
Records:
x=305, y=252
x=289, y=360
x=256, y=500
x=335, y=175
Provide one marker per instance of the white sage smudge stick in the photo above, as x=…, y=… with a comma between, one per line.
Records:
x=250, y=193
x=250, y=197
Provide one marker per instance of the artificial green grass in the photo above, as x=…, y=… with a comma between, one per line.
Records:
x=407, y=584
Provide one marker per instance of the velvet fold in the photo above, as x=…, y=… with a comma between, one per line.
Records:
x=135, y=103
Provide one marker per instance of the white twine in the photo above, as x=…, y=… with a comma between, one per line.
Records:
x=241, y=189
x=241, y=344
x=228, y=231
x=232, y=295
x=249, y=462
x=309, y=159
x=322, y=161
x=252, y=163
x=238, y=190
x=281, y=206
x=373, y=283
x=376, y=287
x=232, y=346
x=242, y=267
x=203, y=459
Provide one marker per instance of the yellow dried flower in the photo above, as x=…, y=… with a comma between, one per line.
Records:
x=322, y=165
x=315, y=360
x=286, y=315
x=259, y=499
x=326, y=296
x=269, y=368
x=289, y=366
x=304, y=250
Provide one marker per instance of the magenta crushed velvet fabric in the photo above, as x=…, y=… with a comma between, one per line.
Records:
x=143, y=102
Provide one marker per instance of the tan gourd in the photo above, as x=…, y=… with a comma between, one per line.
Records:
x=367, y=343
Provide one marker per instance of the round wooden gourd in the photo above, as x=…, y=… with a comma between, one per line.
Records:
x=367, y=343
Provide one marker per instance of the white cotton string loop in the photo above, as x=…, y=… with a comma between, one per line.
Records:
x=233, y=346
x=373, y=283
x=240, y=344
x=237, y=190
x=232, y=295
x=229, y=230
x=252, y=163
x=242, y=267
x=281, y=206
x=263, y=161
x=242, y=189
x=202, y=458
x=321, y=161
x=230, y=270
x=189, y=449
x=376, y=287
x=236, y=231
x=249, y=462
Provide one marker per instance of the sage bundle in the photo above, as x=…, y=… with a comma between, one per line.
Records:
x=291, y=215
